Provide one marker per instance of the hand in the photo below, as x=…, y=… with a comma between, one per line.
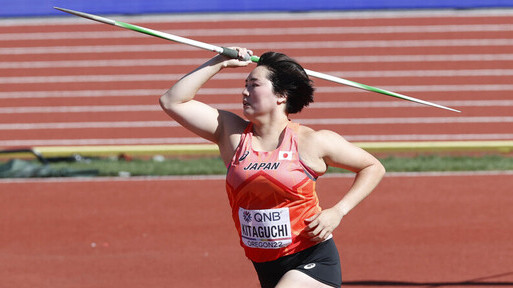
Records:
x=322, y=224
x=240, y=62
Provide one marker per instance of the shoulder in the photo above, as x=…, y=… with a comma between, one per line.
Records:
x=318, y=138
x=335, y=150
x=228, y=136
x=231, y=122
x=326, y=145
x=315, y=145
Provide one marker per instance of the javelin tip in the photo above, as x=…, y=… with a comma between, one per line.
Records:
x=88, y=16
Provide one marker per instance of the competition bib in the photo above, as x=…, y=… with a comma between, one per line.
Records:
x=265, y=229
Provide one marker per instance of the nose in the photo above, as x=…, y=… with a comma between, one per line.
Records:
x=245, y=92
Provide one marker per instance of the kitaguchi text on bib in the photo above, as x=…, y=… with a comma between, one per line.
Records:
x=265, y=229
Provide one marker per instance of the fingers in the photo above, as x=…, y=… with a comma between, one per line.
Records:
x=312, y=218
x=313, y=224
x=243, y=54
x=321, y=226
x=235, y=57
x=315, y=230
x=319, y=233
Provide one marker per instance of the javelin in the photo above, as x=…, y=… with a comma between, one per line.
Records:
x=234, y=54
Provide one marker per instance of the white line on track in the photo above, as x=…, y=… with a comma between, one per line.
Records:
x=406, y=58
x=82, y=93
x=240, y=76
x=238, y=91
x=321, y=121
x=327, y=30
x=302, y=59
x=197, y=140
x=233, y=106
x=88, y=125
x=403, y=120
x=267, y=46
x=223, y=177
x=110, y=141
x=430, y=137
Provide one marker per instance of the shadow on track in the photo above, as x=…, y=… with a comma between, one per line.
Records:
x=478, y=282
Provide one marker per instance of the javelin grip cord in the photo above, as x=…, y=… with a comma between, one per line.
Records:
x=234, y=54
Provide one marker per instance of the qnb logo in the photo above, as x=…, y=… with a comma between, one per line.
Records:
x=267, y=217
x=246, y=215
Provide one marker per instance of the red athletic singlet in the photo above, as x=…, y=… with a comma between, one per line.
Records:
x=271, y=195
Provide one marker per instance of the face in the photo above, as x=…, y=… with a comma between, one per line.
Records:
x=258, y=96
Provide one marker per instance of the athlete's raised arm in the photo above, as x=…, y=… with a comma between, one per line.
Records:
x=200, y=118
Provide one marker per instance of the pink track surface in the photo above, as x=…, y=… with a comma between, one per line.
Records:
x=417, y=231
x=78, y=82
x=413, y=231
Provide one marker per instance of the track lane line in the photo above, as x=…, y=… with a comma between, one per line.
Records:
x=302, y=59
x=223, y=177
x=317, y=30
x=198, y=140
x=256, y=46
x=232, y=106
x=239, y=76
x=315, y=121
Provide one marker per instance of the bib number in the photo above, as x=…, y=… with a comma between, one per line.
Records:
x=265, y=229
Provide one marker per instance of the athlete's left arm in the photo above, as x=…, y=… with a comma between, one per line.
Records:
x=337, y=152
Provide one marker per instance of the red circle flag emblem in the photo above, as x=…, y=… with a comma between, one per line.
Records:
x=285, y=155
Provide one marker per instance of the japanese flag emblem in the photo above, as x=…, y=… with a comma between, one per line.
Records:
x=285, y=155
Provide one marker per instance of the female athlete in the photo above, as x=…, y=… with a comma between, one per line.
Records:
x=273, y=164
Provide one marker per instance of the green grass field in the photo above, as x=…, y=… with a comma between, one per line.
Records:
x=214, y=165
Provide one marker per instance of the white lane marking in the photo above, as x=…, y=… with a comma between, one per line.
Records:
x=319, y=121
x=223, y=177
x=197, y=140
x=264, y=45
x=325, y=30
x=239, y=76
x=233, y=106
x=301, y=59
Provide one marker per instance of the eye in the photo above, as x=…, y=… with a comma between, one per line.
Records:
x=251, y=84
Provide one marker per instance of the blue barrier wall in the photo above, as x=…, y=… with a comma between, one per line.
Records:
x=22, y=8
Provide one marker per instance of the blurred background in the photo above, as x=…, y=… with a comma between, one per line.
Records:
x=70, y=87
x=66, y=81
x=25, y=8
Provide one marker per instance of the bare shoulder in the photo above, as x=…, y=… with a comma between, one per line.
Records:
x=228, y=137
x=333, y=149
x=232, y=126
x=319, y=140
x=231, y=122
x=309, y=150
x=304, y=135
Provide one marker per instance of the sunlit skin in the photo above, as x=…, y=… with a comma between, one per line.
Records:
x=258, y=97
x=318, y=149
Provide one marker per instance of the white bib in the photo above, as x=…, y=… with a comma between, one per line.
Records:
x=265, y=229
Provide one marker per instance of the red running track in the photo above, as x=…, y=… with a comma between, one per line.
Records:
x=425, y=230
x=74, y=82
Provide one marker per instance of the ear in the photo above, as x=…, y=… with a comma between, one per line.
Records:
x=282, y=99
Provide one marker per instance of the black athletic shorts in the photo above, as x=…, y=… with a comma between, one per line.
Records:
x=320, y=262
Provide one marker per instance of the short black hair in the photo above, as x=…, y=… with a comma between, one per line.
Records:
x=289, y=79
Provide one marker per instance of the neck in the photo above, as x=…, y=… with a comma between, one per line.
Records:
x=269, y=134
x=270, y=126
